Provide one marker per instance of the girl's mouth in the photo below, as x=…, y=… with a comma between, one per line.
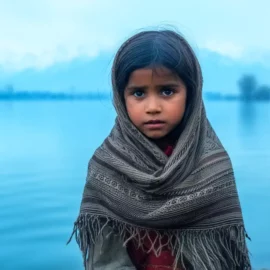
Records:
x=154, y=124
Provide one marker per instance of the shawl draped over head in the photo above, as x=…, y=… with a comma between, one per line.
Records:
x=133, y=188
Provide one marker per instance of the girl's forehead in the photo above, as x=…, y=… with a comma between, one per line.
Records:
x=153, y=74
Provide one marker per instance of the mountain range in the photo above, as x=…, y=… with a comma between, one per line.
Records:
x=220, y=73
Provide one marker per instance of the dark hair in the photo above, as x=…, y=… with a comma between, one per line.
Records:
x=152, y=49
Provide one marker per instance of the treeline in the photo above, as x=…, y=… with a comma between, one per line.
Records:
x=249, y=90
x=8, y=93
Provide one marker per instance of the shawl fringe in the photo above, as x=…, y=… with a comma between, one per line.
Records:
x=211, y=249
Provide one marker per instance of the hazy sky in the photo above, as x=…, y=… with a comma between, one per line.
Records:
x=39, y=33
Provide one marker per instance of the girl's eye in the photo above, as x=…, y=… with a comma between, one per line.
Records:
x=138, y=93
x=167, y=92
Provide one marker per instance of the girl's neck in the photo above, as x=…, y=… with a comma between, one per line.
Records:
x=168, y=140
x=164, y=142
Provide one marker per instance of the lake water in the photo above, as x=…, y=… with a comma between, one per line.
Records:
x=44, y=151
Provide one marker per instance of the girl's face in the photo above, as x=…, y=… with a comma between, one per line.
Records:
x=155, y=101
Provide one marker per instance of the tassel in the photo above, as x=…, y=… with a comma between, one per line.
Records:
x=210, y=249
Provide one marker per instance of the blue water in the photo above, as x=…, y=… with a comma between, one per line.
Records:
x=44, y=151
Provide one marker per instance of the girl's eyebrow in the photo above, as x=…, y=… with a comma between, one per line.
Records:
x=143, y=87
x=173, y=84
x=135, y=87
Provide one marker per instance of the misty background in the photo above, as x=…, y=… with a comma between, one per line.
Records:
x=56, y=109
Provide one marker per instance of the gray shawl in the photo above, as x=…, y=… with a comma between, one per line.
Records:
x=133, y=188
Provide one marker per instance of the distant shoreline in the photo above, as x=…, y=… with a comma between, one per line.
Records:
x=24, y=95
x=58, y=96
x=216, y=96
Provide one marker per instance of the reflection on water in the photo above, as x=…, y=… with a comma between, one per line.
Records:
x=247, y=115
x=44, y=151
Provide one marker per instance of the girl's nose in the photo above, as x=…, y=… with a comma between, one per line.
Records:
x=152, y=105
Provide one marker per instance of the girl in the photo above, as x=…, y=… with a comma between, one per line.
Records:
x=160, y=191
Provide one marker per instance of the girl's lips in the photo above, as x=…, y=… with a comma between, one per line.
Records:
x=155, y=124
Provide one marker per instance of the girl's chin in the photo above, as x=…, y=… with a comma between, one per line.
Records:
x=155, y=135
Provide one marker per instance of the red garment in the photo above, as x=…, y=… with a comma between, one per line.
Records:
x=168, y=151
x=149, y=261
